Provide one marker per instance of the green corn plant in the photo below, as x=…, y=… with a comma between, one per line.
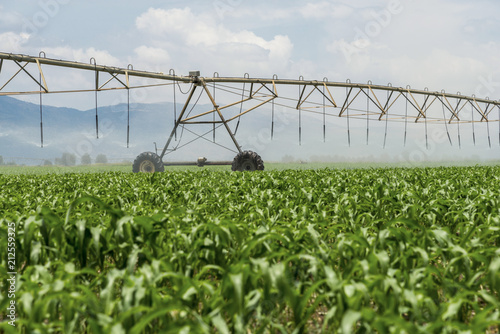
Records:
x=328, y=250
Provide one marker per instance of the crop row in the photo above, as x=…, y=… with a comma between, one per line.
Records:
x=384, y=250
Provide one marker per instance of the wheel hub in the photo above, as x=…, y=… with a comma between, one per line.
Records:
x=147, y=167
x=248, y=165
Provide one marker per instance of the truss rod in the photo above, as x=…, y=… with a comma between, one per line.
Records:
x=92, y=67
x=191, y=79
x=344, y=85
x=216, y=107
x=78, y=90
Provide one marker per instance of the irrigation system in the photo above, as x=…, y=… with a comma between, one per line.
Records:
x=230, y=98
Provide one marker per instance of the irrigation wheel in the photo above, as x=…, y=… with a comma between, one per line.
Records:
x=247, y=161
x=148, y=162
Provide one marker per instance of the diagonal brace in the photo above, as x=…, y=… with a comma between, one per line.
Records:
x=216, y=107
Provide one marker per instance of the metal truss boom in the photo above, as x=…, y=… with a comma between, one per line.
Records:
x=114, y=71
x=376, y=102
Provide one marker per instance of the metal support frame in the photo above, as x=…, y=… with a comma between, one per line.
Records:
x=216, y=107
x=201, y=162
x=263, y=91
x=178, y=121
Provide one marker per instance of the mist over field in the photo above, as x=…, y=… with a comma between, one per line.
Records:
x=74, y=131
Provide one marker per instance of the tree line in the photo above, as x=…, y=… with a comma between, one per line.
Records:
x=69, y=159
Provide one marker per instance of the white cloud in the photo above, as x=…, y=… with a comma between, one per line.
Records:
x=309, y=10
x=255, y=14
x=150, y=56
x=202, y=39
x=437, y=70
x=447, y=52
x=198, y=30
x=102, y=57
x=13, y=42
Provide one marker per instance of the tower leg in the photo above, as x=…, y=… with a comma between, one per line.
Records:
x=178, y=121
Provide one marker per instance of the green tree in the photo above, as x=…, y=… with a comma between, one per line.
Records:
x=1, y=160
x=67, y=159
x=101, y=159
x=85, y=159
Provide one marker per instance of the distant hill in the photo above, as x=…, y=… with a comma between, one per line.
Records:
x=72, y=130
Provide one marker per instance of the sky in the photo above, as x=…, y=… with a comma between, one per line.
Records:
x=440, y=45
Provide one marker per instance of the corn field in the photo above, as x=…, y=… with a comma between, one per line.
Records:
x=295, y=251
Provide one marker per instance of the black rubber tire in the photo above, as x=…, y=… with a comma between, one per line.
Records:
x=148, y=162
x=247, y=161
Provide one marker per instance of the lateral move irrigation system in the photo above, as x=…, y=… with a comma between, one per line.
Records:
x=325, y=98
